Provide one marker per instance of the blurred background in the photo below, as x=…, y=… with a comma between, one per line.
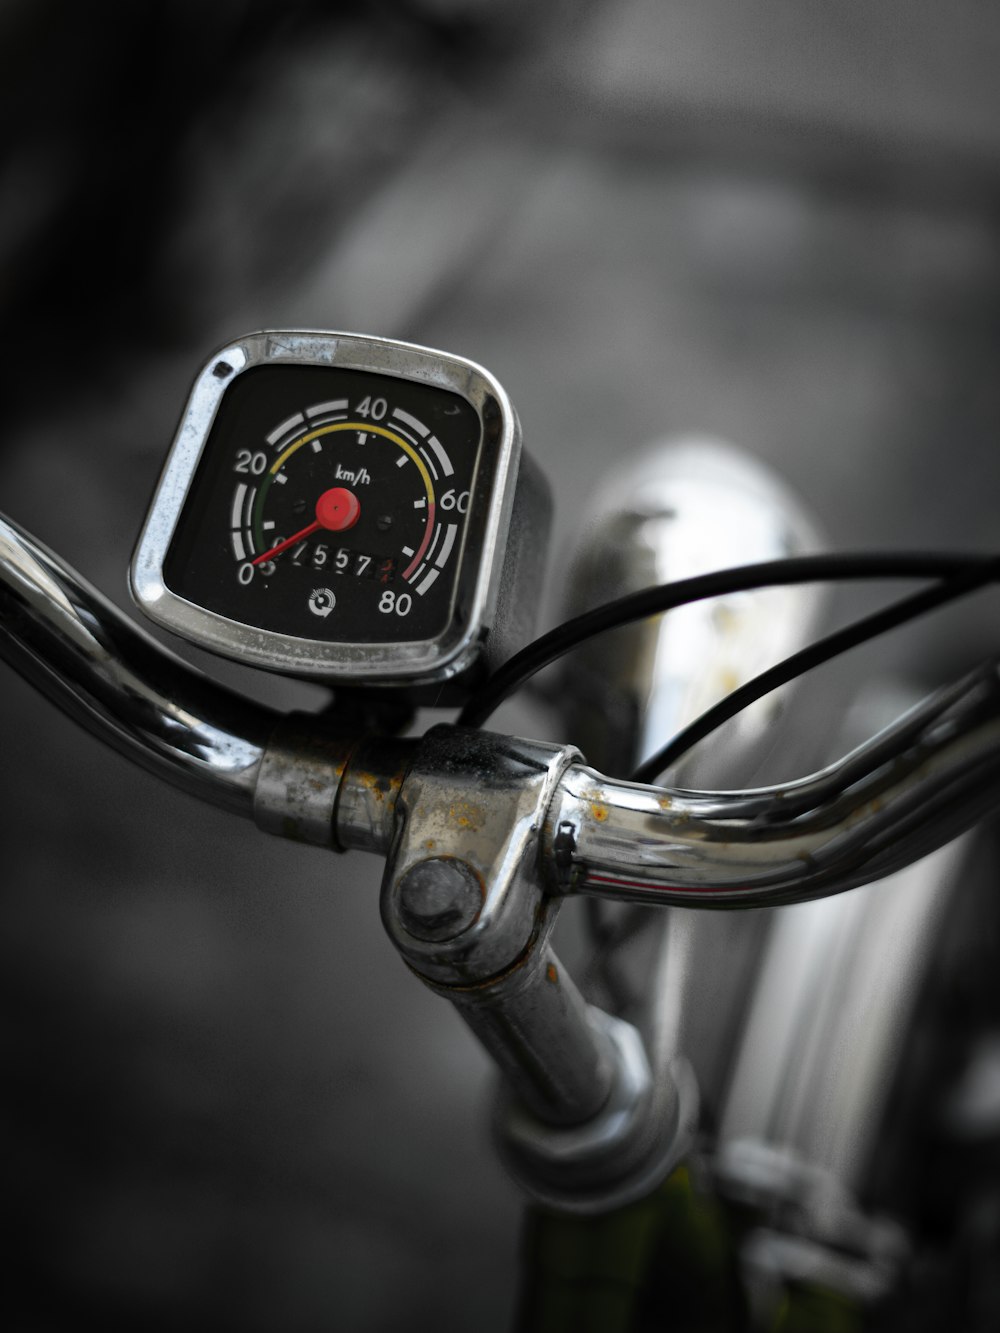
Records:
x=226, y=1104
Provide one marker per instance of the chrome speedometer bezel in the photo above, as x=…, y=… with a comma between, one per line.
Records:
x=474, y=598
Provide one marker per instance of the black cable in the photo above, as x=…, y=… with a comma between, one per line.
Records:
x=860, y=631
x=653, y=601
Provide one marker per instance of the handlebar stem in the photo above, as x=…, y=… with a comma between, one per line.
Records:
x=579, y=1124
x=463, y=903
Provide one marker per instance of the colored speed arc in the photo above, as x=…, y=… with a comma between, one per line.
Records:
x=348, y=496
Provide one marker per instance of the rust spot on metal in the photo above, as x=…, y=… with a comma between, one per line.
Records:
x=430, y=844
x=466, y=815
x=551, y=974
x=666, y=803
x=382, y=788
x=599, y=811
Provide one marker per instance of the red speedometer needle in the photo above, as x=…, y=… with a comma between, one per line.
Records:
x=283, y=546
x=336, y=510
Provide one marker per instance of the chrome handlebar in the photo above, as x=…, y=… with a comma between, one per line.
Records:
x=485, y=836
x=113, y=678
x=918, y=784
x=906, y=792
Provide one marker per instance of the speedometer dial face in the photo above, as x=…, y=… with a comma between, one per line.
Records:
x=329, y=504
x=346, y=508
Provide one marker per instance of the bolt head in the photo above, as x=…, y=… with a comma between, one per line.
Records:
x=439, y=898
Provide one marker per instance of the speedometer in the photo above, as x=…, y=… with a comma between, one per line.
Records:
x=346, y=508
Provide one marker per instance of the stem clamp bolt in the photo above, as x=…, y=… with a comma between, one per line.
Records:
x=439, y=898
